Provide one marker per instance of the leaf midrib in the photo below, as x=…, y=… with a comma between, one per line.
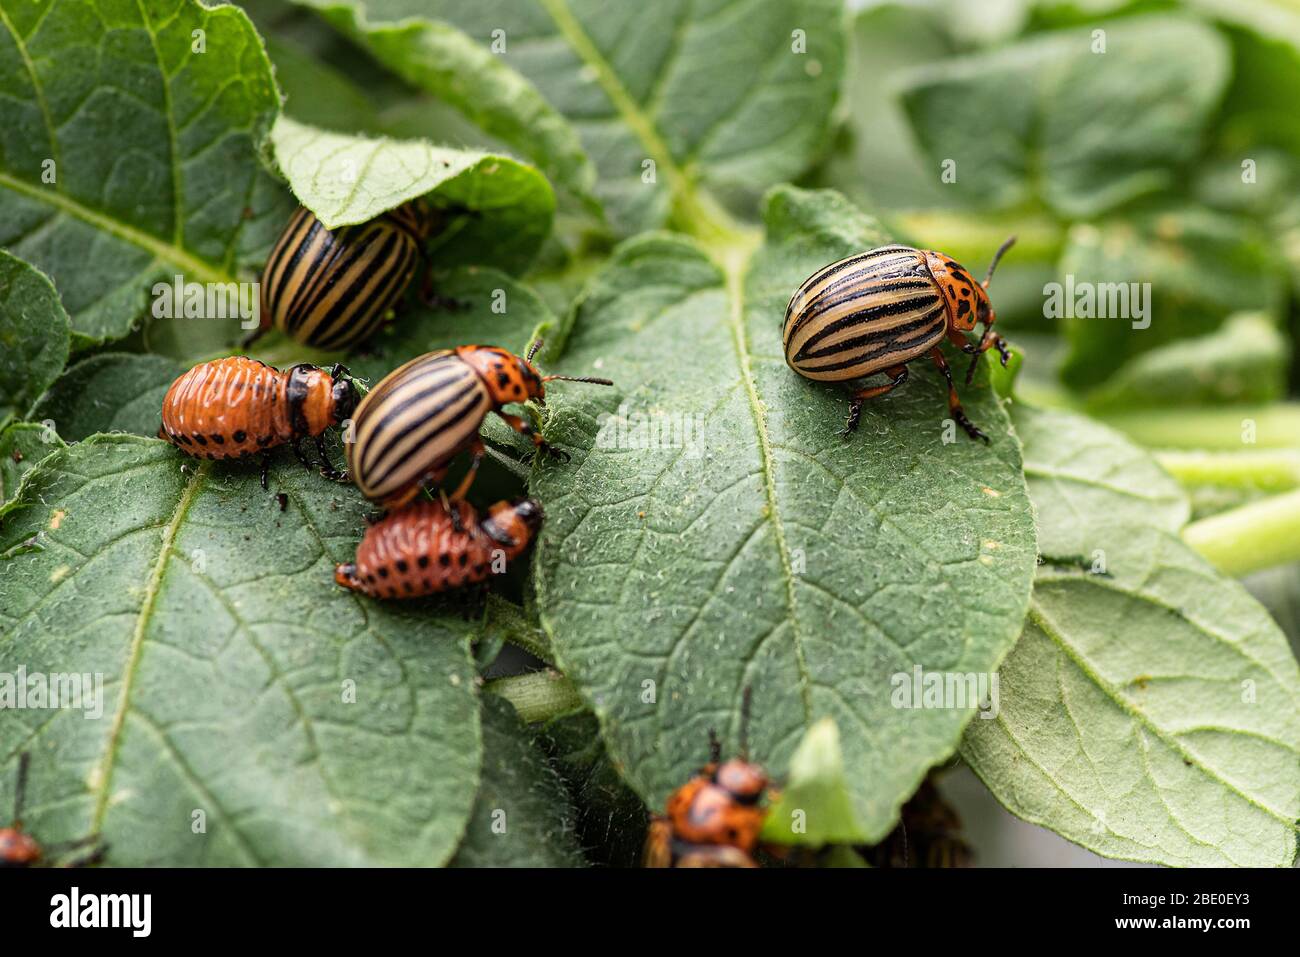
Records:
x=731, y=247
x=104, y=774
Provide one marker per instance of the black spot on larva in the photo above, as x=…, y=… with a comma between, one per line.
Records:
x=481, y=567
x=444, y=559
x=423, y=561
x=240, y=436
x=464, y=559
x=218, y=438
x=383, y=571
x=402, y=566
x=370, y=578
x=264, y=440
x=410, y=589
x=201, y=440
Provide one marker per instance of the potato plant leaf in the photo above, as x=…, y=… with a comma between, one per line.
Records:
x=108, y=392
x=731, y=97
x=1077, y=121
x=187, y=92
x=1151, y=709
x=23, y=445
x=241, y=688
x=499, y=210
x=34, y=335
x=713, y=531
x=434, y=55
x=522, y=816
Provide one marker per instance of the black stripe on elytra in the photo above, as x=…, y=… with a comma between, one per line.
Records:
x=864, y=317
x=385, y=434
x=348, y=309
x=350, y=246
x=458, y=415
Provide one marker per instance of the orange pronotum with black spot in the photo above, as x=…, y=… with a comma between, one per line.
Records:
x=419, y=550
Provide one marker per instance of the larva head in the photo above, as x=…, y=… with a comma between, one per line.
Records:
x=744, y=781
x=512, y=525
x=318, y=399
x=17, y=848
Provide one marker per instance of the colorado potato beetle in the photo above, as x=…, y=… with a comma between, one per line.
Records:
x=714, y=819
x=419, y=550
x=20, y=849
x=331, y=288
x=879, y=310
x=423, y=414
x=235, y=407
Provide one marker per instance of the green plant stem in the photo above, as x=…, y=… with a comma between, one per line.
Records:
x=1267, y=470
x=539, y=695
x=1251, y=537
x=517, y=628
x=1219, y=429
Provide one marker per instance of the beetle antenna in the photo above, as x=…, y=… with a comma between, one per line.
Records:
x=578, y=378
x=745, y=700
x=997, y=256
x=20, y=786
x=532, y=349
x=715, y=747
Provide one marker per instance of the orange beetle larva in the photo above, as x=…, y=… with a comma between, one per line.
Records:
x=235, y=407
x=422, y=549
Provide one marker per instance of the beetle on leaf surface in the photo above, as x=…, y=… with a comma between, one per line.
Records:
x=879, y=310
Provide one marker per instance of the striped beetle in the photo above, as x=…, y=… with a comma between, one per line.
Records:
x=235, y=407
x=423, y=414
x=421, y=549
x=878, y=310
x=331, y=288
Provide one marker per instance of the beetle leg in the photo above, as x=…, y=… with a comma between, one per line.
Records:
x=453, y=512
x=326, y=469
x=991, y=340
x=954, y=403
x=897, y=374
x=266, y=467
x=296, y=445
x=525, y=428
x=477, y=450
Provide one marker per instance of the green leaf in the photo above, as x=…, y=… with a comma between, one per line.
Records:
x=767, y=551
x=1244, y=361
x=310, y=727
x=435, y=56
x=501, y=209
x=1191, y=268
x=34, y=335
x=22, y=446
x=109, y=392
x=521, y=816
x=815, y=795
x=715, y=94
x=1049, y=120
x=127, y=156
x=1150, y=709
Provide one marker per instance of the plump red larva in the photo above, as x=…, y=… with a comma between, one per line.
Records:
x=422, y=550
x=233, y=407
